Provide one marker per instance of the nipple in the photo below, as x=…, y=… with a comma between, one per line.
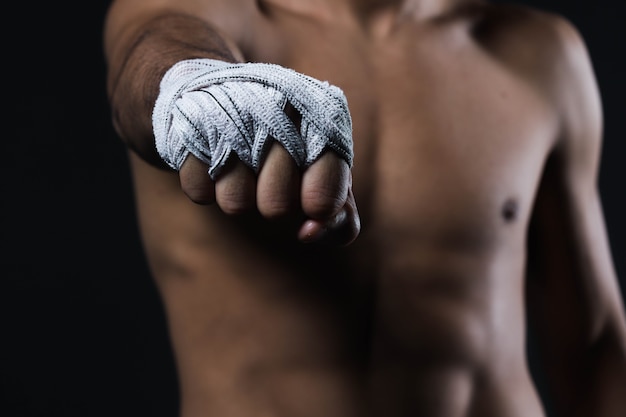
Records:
x=510, y=210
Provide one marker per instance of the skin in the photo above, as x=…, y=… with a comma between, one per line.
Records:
x=477, y=135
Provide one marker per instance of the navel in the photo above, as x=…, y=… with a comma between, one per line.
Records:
x=510, y=210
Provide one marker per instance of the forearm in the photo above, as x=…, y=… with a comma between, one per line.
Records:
x=573, y=303
x=586, y=379
x=136, y=62
x=602, y=382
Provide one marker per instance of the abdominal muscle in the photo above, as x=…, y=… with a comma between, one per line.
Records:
x=276, y=329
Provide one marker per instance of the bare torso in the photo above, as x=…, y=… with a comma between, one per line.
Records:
x=423, y=315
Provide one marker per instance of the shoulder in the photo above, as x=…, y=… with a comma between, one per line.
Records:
x=529, y=39
x=550, y=54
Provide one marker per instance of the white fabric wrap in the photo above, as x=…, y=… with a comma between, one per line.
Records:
x=212, y=108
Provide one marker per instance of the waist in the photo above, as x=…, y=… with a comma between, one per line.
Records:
x=431, y=307
x=425, y=329
x=434, y=391
x=422, y=306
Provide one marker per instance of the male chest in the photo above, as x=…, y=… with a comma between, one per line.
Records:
x=458, y=152
x=444, y=136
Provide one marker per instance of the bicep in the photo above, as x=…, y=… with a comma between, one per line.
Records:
x=571, y=180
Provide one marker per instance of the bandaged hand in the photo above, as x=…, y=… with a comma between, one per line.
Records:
x=225, y=128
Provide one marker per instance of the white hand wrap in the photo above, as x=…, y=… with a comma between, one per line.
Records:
x=211, y=108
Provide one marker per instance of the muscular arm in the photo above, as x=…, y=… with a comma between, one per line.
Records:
x=143, y=39
x=573, y=295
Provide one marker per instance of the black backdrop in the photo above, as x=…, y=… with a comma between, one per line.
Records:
x=82, y=331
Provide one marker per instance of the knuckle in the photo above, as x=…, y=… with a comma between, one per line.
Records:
x=234, y=201
x=195, y=182
x=276, y=205
x=320, y=202
x=199, y=194
x=235, y=191
x=325, y=187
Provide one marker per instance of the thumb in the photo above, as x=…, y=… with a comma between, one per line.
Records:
x=340, y=230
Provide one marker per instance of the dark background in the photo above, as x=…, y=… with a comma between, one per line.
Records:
x=82, y=331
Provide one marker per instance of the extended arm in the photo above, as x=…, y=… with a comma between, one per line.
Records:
x=143, y=41
x=574, y=300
